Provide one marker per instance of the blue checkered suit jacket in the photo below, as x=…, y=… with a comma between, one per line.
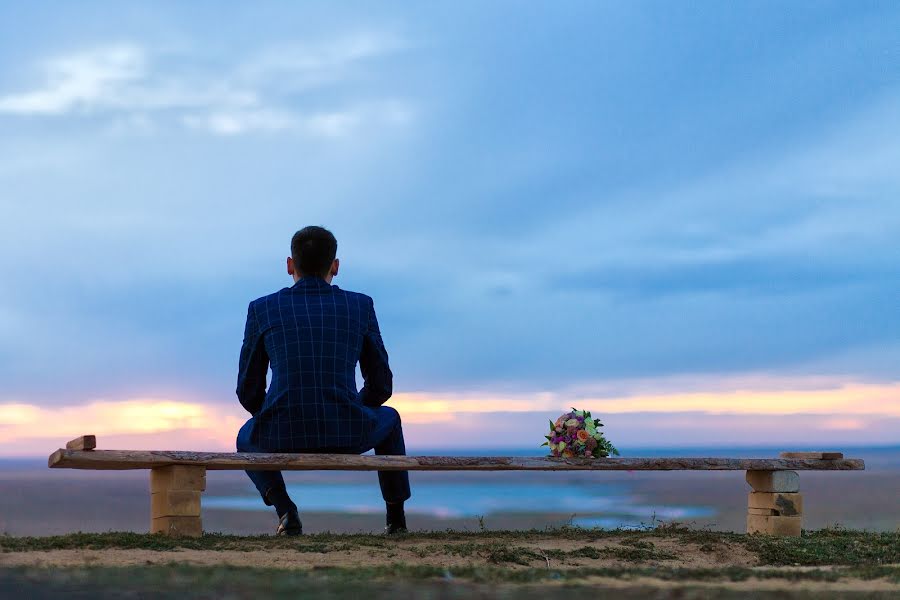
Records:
x=312, y=334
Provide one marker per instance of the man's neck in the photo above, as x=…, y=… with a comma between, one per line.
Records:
x=326, y=279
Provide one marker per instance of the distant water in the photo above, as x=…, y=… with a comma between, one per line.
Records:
x=596, y=504
x=880, y=456
x=609, y=505
x=607, y=500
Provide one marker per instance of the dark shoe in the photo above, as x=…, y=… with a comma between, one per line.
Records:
x=395, y=519
x=395, y=529
x=290, y=524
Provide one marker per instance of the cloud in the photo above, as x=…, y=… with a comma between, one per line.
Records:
x=820, y=211
x=137, y=90
x=332, y=124
x=120, y=79
x=319, y=62
x=234, y=122
x=543, y=224
x=81, y=81
x=745, y=275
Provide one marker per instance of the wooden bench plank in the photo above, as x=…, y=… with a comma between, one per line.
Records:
x=84, y=442
x=134, y=459
x=821, y=455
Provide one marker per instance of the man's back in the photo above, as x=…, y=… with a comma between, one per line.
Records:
x=312, y=334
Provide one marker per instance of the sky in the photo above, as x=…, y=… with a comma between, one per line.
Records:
x=684, y=217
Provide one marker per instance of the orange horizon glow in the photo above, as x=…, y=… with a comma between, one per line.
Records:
x=854, y=398
x=847, y=407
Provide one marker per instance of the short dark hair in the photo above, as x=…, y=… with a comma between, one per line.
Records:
x=313, y=249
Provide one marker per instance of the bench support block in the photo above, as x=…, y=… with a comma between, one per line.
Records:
x=775, y=506
x=175, y=500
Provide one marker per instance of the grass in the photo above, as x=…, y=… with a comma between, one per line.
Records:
x=818, y=548
x=489, y=564
x=828, y=547
x=408, y=581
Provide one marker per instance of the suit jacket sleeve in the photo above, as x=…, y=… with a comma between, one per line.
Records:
x=373, y=363
x=253, y=366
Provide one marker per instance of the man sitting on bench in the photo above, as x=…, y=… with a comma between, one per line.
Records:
x=313, y=333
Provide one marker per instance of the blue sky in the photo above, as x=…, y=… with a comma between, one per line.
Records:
x=540, y=196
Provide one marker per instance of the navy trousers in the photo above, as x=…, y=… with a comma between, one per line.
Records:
x=386, y=439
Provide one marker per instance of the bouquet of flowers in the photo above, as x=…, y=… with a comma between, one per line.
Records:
x=576, y=435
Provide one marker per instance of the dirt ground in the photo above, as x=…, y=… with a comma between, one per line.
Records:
x=535, y=552
x=418, y=552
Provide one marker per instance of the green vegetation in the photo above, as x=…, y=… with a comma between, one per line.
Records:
x=828, y=547
x=407, y=581
x=482, y=564
x=818, y=548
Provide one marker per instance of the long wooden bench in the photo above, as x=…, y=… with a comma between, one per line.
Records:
x=177, y=479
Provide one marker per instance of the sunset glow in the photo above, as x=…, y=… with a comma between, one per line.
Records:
x=449, y=419
x=874, y=399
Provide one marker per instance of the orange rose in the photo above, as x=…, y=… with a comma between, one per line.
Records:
x=568, y=454
x=583, y=435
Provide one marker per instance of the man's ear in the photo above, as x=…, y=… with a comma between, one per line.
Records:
x=290, y=266
x=335, y=267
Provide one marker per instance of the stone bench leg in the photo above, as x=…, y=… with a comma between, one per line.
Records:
x=175, y=500
x=775, y=506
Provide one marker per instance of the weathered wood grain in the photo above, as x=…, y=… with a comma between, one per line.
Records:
x=783, y=503
x=177, y=526
x=774, y=525
x=175, y=503
x=134, y=459
x=84, y=442
x=821, y=455
x=774, y=481
x=178, y=477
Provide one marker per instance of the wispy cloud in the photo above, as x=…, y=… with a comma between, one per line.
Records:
x=324, y=124
x=819, y=213
x=237, y=121
x=318, y=62
x=81, y=81
x=137, y=89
